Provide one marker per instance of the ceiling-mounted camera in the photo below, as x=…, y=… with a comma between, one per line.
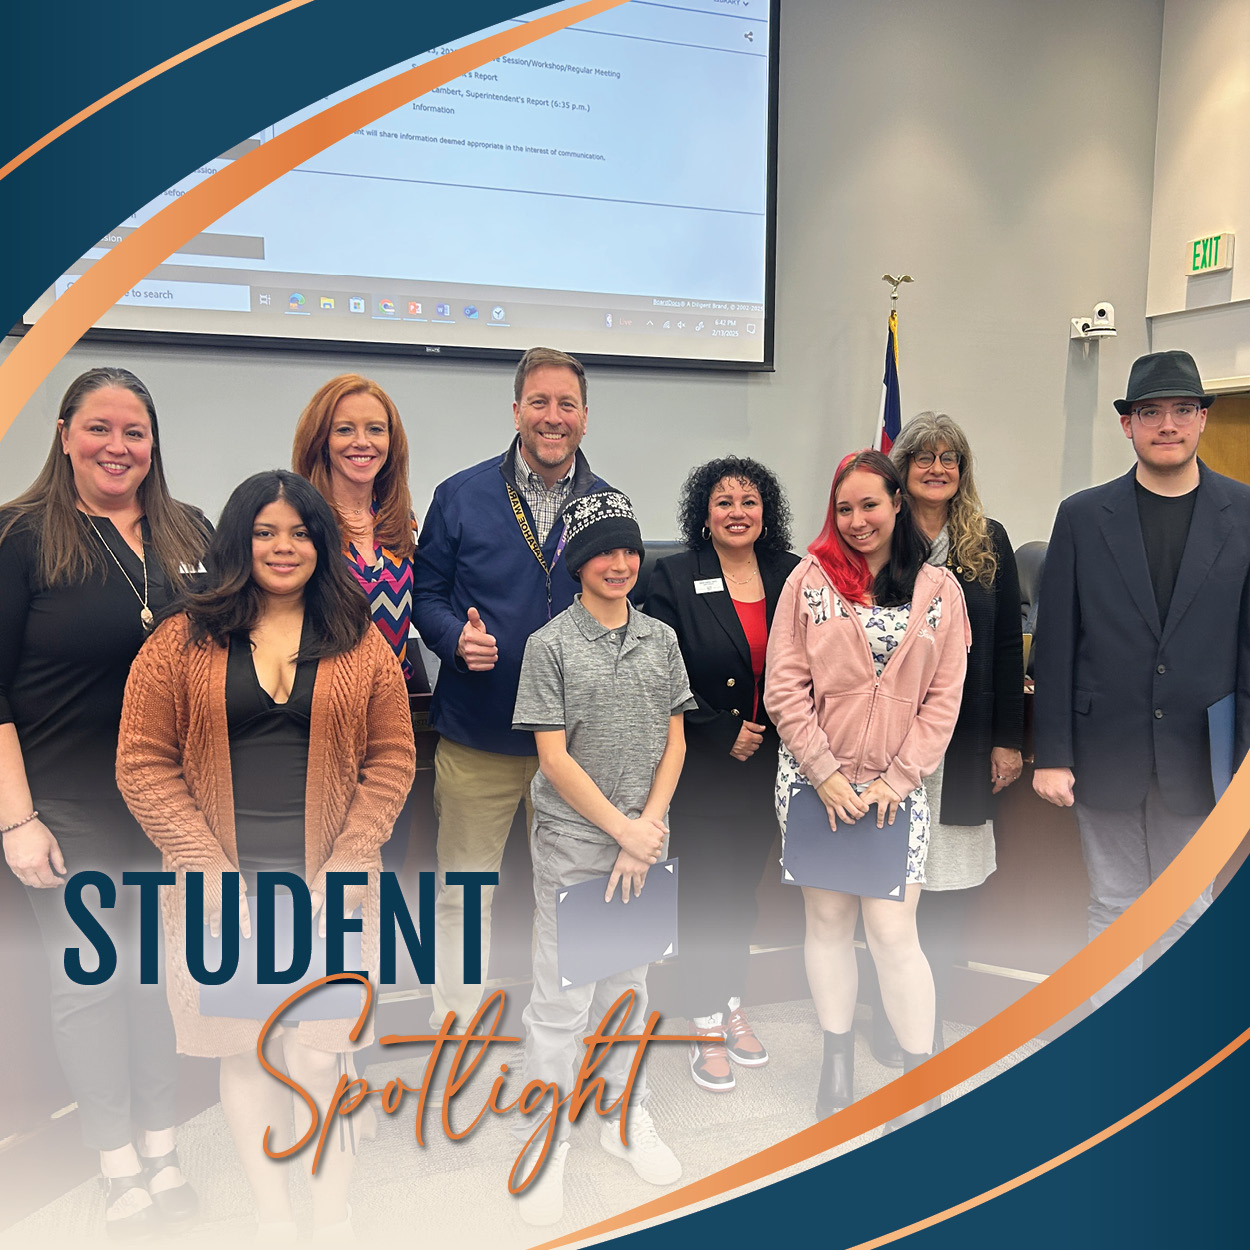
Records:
x=1098, y=325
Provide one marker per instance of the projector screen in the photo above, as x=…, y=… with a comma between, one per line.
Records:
x=608, y=190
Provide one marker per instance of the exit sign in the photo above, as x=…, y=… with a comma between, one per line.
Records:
x=1209, y=254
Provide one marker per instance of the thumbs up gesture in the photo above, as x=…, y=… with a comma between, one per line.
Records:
x=476, y=647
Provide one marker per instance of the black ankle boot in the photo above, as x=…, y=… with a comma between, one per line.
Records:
x=836, y=1090
x=911, y=1061
x=882, y=1042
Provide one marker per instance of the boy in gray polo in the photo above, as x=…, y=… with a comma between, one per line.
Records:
x=603, y=689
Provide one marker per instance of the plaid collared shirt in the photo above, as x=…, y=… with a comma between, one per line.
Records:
x=545, y=505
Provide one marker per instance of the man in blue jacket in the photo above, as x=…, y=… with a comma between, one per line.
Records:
x=487, y=574
x=1144, y=623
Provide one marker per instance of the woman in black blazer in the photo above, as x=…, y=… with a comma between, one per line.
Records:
x=719, y=598
x=983, y=758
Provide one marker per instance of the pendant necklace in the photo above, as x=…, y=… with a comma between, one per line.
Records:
x=145, y=613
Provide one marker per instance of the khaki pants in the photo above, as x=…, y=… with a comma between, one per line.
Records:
x=475, y=798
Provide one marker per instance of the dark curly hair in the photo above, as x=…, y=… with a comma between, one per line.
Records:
x=696, y=492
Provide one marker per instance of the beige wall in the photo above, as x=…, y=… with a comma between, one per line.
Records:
x=1202, y=184
x=1001, y=151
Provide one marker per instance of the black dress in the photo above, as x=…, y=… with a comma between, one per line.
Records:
x=268, y=765
x=65, y=653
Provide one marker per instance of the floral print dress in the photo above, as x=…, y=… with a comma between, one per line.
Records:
x=884, y=628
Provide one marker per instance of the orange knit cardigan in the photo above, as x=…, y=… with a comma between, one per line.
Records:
x=173, y=770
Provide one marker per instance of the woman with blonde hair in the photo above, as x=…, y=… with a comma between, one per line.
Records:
x=983, y=758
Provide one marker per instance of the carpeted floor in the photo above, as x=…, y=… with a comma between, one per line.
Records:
x=455, y=1193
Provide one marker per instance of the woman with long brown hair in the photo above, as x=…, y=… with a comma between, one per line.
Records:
x=89, y=553
x=265, y=729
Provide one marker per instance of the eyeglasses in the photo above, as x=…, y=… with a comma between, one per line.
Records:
x=925, y=459
x=1153, y=414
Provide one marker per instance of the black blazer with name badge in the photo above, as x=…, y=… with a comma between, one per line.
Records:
x=1120, y=695
x=713, y=644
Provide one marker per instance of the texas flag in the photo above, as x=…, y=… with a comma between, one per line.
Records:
x=891, y=412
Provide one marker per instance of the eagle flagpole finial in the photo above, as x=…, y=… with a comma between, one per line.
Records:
x=895, y=283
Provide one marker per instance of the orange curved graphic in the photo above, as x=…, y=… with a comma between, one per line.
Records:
x=139, y=253
x=1142, y=924
x=1049, y=1166
x=155, y=72
x=1046, y=1004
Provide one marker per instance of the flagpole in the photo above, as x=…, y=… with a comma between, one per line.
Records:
x=889, y=420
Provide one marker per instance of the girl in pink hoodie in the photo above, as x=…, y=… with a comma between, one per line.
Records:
x=865, y=671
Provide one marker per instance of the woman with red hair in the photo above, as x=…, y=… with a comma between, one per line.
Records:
x=866, y=662
x=351, y=445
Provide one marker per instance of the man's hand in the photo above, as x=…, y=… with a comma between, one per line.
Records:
x=1054, y=785
x=839, y=797
x=748, y=741
x=35, y=856
x=476, y=647
x=884, y=797
x=642, y=837
x=630, y=872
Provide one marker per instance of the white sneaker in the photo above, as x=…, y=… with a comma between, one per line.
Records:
x=339, y=1234
x=646, y=1153
x=542, y=1200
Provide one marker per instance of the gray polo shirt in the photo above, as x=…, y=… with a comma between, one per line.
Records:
x=612, y=691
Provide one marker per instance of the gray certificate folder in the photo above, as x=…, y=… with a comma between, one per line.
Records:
x=1222, y=726
x=858, y=859
x=597, y=939
x=241, y=998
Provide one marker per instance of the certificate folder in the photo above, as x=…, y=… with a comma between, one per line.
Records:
x=858, y=859
x=597, y=939
x=1222, y=727
x=241, y=998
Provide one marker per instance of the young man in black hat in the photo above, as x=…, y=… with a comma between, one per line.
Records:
x=1144, y=623
x=604, y=691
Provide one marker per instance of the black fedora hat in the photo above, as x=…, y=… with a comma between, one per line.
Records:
x=1160, y=376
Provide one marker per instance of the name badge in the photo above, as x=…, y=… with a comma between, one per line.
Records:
x=187, y=569
x=708, y=585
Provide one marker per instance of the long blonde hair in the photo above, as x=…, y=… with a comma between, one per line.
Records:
x=67, y=551
x=393, y=526
x=971, y=544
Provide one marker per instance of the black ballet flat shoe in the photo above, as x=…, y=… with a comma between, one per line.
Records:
x=140, y=1223
x=176, y=1207
x=836, y=1090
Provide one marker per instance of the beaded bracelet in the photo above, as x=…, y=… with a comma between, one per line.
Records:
x=17, y=824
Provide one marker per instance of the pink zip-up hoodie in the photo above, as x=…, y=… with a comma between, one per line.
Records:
x=832, y=710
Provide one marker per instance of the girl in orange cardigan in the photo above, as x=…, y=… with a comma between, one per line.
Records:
x=266, y=727
x=866, y=662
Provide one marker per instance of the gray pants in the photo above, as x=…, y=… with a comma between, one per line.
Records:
x=1124, y=853
x=556, y=1019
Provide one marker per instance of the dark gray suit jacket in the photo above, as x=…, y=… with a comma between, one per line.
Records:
x=1121, y=695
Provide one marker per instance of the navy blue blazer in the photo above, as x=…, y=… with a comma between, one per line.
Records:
x=1120, y=695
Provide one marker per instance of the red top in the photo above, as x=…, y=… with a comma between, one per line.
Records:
x=755, y=626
